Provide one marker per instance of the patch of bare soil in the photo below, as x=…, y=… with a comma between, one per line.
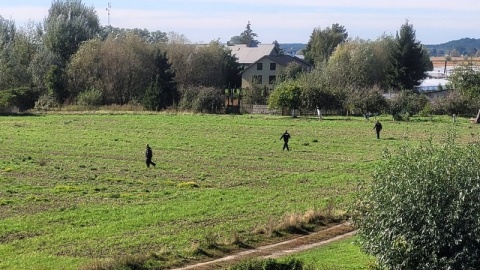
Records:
x=281, y=249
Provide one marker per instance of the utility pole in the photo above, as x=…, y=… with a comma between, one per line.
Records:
x=108, y=10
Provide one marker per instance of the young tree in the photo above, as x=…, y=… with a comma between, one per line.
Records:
x=286, y=95
x=410, y=61
x=322, y=43
x=55, y=84
x=421, y=210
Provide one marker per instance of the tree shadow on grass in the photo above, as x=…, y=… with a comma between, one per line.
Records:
x=18, y=114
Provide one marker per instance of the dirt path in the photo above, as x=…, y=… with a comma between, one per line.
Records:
x=281, y=249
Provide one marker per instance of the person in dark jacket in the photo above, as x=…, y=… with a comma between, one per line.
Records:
x=148, y=156
x=285, y=138
x=378, y=128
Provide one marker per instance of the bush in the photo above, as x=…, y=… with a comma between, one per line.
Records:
x=455, y=103
x=202, y=99
x=22, y=98
x=90, y=98
x=46, y=102
x=407, y=103
x=421, y=211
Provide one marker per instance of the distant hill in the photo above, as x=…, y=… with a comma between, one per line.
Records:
x=455, y=48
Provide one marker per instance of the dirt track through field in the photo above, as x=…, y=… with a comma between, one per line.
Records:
x=281, y=249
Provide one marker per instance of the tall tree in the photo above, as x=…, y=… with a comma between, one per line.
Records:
x=162, y=91
x=120, y=67
x=68, y=24
x=410, y=61
x=7, y=37
x=360, y=63
x=248, y=37
x=322, y=43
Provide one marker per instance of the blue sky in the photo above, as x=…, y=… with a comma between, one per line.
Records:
x=287, y=21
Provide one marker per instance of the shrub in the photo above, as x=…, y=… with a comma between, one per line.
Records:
x=90, y=98
x=407, y=103
x=454, y=103
x=46, y=102
x=421, y=210
x=22, y=98
x=202, y=99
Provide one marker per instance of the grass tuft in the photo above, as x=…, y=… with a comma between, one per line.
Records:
x=190, y=184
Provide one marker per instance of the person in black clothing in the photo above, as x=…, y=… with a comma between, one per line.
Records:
x=378, y=128
x=148, y=156
x=285, y=138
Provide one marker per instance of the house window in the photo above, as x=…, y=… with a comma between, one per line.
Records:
x=273, y=66
x=259, y=66
x=271, y=79
x=257, y=79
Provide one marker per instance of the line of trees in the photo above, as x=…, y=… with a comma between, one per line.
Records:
x=71, y=59
x=354, y=76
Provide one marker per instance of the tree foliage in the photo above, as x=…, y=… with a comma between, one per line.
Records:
x=68, y=24
x=410, y=60
x=421, y=210
x=17, y=49
x=202, y=99
x=466, y=80
x=319, y=92
x=322, y=43
x=291, y=72
x=247, y=37
x=286, y=95
x=360, y=63
x=406, y=103
x=455, y=103
x=366, y=100
x=162, y=91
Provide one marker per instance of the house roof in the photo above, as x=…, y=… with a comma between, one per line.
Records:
x=249, y=55
x=282, y=60
x=286, y=59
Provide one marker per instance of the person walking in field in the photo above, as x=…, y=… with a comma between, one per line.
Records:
x=378, y=128
x=285, y=138
x=148, y=156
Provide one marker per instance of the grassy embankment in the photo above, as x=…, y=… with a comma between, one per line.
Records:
x=75, y=192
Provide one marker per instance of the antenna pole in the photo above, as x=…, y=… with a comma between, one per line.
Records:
x=108, y=10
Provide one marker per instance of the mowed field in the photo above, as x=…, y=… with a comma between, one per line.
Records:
x=75, y=190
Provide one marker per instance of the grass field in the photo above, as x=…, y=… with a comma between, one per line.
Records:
x=75, y=191
x=344, y=254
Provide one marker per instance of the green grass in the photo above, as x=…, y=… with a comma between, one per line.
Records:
x=343, y=254
x=75, y=191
